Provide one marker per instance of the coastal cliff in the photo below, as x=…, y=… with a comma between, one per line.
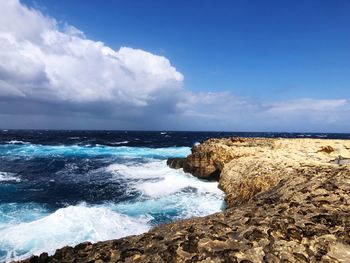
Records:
x=247, y=166
x=288, y=201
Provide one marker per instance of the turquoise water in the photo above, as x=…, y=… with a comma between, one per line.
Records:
x=57, y=195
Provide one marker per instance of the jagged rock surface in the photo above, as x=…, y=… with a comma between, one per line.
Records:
x=248, y=166
x=297, y=209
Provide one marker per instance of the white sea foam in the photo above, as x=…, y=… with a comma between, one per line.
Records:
x=176, y=206
x=16, y=213
x=155, y=169
x=4, y=177
x=17, y=142
x=167, y=181
x=68, y=226
x=166, y=194
x=119, y=143
x=167, y=191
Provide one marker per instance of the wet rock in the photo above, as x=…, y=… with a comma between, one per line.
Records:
x=176, y=163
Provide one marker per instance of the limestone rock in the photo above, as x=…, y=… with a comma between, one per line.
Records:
x=247, y=166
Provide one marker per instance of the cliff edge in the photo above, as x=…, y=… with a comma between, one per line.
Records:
x=247, y=166
x=288, y=201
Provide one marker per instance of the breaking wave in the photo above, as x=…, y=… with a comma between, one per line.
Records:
x=60, y=195
x=67, y=226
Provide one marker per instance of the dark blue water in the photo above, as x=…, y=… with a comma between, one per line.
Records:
x=153, y=139
x=64, y=187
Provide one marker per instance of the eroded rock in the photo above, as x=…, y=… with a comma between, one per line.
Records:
x=248, y=166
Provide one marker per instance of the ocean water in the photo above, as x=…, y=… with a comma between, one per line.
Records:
x=61, y=188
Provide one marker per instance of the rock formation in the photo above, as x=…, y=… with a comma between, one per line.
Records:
x=176, y=163
x=288, y=201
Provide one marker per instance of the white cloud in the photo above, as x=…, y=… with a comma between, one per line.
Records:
x=37, y=60
x=215, y=105
x=23, y=23
x=307, y=105
x=224, y=111
x=311, y=112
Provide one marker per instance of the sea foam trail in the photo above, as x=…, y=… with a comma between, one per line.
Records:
x=67, y=226
x=17, y=142
x=119, y=143
x=4, y=177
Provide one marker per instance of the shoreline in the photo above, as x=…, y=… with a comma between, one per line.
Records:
x=287, y=200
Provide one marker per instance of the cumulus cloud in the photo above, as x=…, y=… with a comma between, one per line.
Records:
x=40, y=61
x=61, y=79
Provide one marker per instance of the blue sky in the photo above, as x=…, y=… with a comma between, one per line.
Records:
x=270, y=49
x=274, y=58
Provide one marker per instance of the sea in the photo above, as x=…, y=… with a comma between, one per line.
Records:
x=61, y=188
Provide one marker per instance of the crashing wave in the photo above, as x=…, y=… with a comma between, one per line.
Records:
x=68, y=226
x=167, y=190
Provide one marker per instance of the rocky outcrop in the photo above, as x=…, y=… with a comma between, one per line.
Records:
x=247, y=166
x=288, y=201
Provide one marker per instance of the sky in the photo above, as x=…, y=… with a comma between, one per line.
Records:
x=175, y=65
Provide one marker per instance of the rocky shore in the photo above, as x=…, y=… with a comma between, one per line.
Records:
x=288, y=201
